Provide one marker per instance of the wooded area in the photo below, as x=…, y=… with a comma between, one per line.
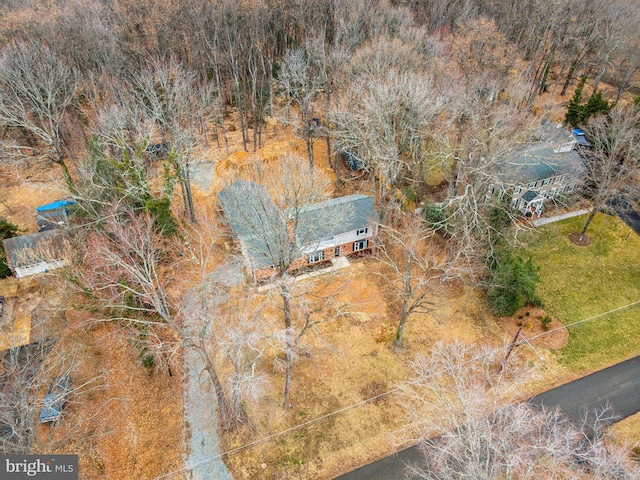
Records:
x=419, y=104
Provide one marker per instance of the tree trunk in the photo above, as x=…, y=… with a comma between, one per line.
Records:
x=572, y=71
x=406, y=310
x=223, y=406
x=309, y=142
x=557, y=82
x=67, y=176
x=455, y=164
x=400, y=331
x=596, y=81
x=189, y=197
x=592, y=214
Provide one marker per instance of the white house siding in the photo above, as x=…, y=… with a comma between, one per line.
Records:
x=41, y=267
x=352, y=236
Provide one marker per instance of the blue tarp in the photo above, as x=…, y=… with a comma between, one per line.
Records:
x=55, y=205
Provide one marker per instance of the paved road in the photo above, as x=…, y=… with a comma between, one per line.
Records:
x=630, y=217
x=619, y=385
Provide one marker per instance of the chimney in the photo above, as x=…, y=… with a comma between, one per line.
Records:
x=291, y=229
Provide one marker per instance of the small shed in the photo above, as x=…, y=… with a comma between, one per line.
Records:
x=580, y=138
x=36, y=253
x=54, y=215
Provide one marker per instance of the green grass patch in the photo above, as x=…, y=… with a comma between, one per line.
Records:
x=581, y=282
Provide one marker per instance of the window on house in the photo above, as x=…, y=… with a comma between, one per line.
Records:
x=546, y=181
x=514, y=202
x=552, y=193
x=336, y=252
x=533, y=184
x=570, y=188
x=316, y=256
x=362, y=231
x=517, y=190
x=491, y=189
x=360, y=245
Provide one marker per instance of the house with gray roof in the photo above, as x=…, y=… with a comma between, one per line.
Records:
x=300, y=237
x=541, y=171
x=36, y=253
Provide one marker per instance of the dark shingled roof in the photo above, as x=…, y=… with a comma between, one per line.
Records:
x=543, y=159
x=351, y=212
x=255, y=219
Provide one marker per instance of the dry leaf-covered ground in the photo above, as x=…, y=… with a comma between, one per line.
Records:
x=132, y=425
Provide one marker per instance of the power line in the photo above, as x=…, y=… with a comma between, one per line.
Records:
x=368, y=400
x=582, y=321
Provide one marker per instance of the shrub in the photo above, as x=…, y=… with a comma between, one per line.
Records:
x=160, y=209
x=148, y=361
x=5, y=271
x=513, y=284
x=545, y=322
x=7, y=230
x=435, y=216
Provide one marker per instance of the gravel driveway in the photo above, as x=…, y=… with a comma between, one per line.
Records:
x=202, y=449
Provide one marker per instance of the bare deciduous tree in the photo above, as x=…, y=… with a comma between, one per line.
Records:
x=178, y=103
x=611, y=160
x=26, y=372
x=475, y=430
x=416, y=267
x=302, y=79
x=386, y=120
x=36, y=90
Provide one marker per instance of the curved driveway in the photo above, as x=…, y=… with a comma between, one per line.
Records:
x=619, y=386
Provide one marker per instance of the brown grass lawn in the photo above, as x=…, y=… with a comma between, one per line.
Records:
x=349, y=361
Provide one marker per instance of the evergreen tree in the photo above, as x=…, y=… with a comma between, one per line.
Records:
x=574, y=113
x=595, y=106
x=7, y=230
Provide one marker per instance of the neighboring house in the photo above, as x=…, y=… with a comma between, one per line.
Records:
x=35, y=253
x=265, y=233
x=542, y=171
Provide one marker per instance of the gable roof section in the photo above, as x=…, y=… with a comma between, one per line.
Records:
x=544, y=159
x=262, y=228
x=351, y=212
x=35, y=253
x=255, y=220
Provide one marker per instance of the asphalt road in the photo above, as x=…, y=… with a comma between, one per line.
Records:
x=630, y=217
x=619, y=386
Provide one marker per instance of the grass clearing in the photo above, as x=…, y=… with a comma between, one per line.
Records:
x=581, y=282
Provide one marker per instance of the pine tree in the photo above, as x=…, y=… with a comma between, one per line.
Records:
x=574, y=113
x=595, y=106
